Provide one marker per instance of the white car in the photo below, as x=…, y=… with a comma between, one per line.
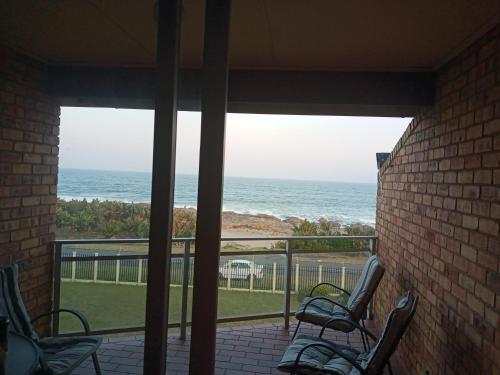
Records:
x=241, y=269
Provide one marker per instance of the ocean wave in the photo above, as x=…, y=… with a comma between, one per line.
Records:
x=345, y=203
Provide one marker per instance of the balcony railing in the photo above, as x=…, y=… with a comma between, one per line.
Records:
x=275, y=273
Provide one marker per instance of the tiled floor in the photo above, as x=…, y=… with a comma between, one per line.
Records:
x=254, y=349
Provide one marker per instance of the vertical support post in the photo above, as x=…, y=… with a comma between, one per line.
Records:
x=96, y=267
x=320, y=273
x=185, y=288
x=274, y=278
x=117, y=270
x=288, y=283
x=139, y=272
x=342, y=277
x=250, y=286
x=373, y=250
x=210, y=187
x=297, y=267
x=73, y=268
x=57, y=288
x=162, y=189
x=229, y=273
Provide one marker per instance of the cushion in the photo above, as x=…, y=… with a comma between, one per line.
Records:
x=395, y=327
x=319, y=360
x=320, y=311
x=365, y=287
x=64, y=354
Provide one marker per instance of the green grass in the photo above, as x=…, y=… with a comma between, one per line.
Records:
x=117, y=306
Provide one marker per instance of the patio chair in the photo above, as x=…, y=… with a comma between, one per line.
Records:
x=319, y=310
x=58, y=355
x=314, y=355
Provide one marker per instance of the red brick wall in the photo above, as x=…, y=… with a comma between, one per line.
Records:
x=29, y=128
x=438, y=214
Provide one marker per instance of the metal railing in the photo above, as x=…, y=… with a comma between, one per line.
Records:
x=63, y=259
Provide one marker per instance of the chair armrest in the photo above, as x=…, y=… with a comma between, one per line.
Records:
x=76, y=313
x=329, y=284
x=332, y=349
x=354, y=324
x=328, y=300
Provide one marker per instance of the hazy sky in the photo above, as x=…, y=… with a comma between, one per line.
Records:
x=270, y=146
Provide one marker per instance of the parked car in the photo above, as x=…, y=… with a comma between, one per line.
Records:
x=241, y=269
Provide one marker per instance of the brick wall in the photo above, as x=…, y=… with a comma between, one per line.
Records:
x=29, y=128
x=438, y=212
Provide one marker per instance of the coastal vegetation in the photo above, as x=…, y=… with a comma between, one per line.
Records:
x=114, y=219
x=325, y=227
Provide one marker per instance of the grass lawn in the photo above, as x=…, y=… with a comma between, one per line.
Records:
x=119, y=306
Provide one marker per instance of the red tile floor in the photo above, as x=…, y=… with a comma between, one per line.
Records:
x=251, y=349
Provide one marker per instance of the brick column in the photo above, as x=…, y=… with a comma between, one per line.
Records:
x=438, y=214
x=29, y=129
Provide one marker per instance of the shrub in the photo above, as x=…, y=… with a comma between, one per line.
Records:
x=184, y=223
x=116, y=219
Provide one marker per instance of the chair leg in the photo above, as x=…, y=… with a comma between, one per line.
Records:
x=389, y=367
x=96, y=364
x=363, y=340
x=296, y=329
x=366, y=336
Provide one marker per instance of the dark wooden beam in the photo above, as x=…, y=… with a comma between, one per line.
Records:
x=210, y=188
x=282, y=92
x=162, y=192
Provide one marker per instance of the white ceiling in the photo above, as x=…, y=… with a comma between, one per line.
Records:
x=386, y=35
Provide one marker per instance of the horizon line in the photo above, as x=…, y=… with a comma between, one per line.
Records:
x=231, y=176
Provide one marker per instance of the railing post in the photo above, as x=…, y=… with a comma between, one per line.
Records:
x=57, y=288
x=274, y=278
x=297, y=266
x=73, y=268
x=320, y=273
x=139, y=273
x=250, y=286
x=373, y=250
x=96, y=265
x=117, y=268
x=185, y=288
x=229, y=273
x=342, y=278
x=288, y=283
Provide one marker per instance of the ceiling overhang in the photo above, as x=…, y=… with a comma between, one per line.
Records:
x=314, y=35
x=258, y=91
x=285, y=56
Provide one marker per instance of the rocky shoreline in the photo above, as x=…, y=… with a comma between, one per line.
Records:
x=238, y=224
x=113, y=219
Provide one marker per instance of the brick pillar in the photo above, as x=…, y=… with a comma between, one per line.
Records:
x=29, y=129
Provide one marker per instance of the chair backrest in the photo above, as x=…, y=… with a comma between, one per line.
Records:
x=395, y=327
x=365, y=287
x=11, y=302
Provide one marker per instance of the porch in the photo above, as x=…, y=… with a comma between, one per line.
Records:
x=438, y=207
x=248, y=349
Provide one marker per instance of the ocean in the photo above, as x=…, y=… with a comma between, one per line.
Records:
x=343, y=202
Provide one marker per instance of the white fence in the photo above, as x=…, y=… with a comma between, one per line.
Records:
x=271, y=279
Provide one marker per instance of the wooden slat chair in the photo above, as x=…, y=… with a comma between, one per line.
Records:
x=319, y=310
x=314, y=355
x=58, y=355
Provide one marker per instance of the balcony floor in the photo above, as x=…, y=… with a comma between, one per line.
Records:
x=251, y=349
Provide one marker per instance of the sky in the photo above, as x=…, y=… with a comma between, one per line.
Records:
x=266, y=146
